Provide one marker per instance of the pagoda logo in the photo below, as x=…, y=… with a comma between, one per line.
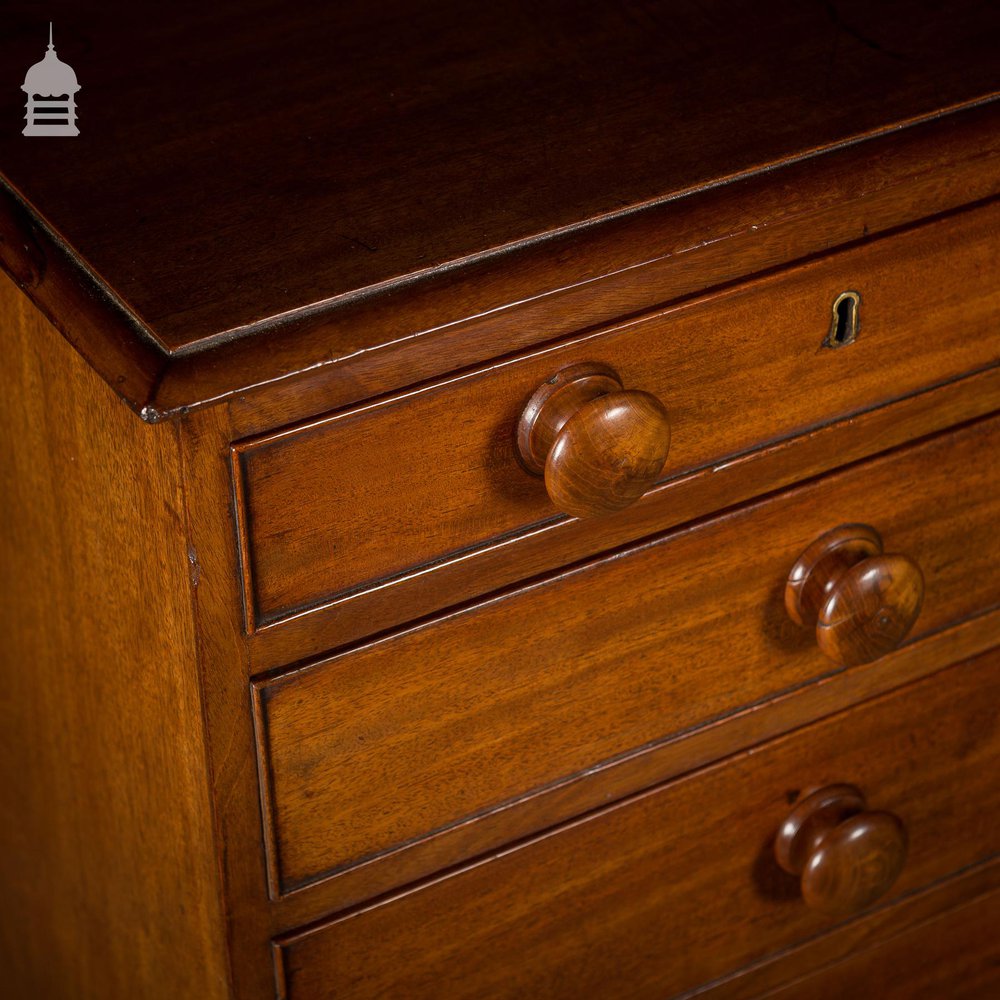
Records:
x=51, y=86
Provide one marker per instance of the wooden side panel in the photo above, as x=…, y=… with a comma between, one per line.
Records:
x=108, y=883
x=370, y=750
x=676, y=887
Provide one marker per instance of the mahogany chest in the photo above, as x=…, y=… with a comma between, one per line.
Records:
x=501, y=501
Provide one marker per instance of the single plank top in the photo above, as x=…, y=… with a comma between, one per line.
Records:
x=241, y=162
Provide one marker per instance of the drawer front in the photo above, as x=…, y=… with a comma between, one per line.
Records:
x=367, y=752
x=436, y=469
x=677, y=886
x=955, y=956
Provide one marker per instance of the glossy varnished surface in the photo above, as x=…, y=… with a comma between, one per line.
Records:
x=464, y=714
x=861, y=601
x=287, y=157
x=599, y=446
x=678, y=886
x=846, y=855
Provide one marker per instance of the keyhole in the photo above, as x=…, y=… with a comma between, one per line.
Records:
x=846, y=320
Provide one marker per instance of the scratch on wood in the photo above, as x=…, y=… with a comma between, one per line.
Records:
x=839, y=22
x=357, y=242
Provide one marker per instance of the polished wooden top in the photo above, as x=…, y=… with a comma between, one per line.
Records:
x=243, y=169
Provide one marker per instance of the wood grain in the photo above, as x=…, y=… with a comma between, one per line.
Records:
x=222, y=660
x=107, y=858
x=335, y=214
x=252, y=923
x=47, y=271
x=639, y=898
x=437, y=469
x=475, y=709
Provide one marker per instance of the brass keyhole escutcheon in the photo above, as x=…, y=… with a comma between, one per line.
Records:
x=846, y=320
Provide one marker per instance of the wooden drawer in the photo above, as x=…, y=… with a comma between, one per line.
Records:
x=368, y=752
x=435, y=469
x=907, y=941
x=677, y=886
x=955, y=956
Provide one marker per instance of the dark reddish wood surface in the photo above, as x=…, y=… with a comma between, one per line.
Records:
x=109, y=884
x=675, y=887
x=322, y=150
x=288, y=160
x=598, y=274
x=473, y=710
x=872, y=609
x=437, y=470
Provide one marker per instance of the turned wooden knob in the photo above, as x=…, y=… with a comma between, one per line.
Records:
x=861, y=601
x=846, y=856
x=599, y=446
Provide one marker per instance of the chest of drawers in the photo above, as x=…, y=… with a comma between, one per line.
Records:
x=503, y=502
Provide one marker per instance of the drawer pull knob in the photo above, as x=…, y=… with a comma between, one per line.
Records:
x=846, y=856
x=862, y=601
x=600, y=446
